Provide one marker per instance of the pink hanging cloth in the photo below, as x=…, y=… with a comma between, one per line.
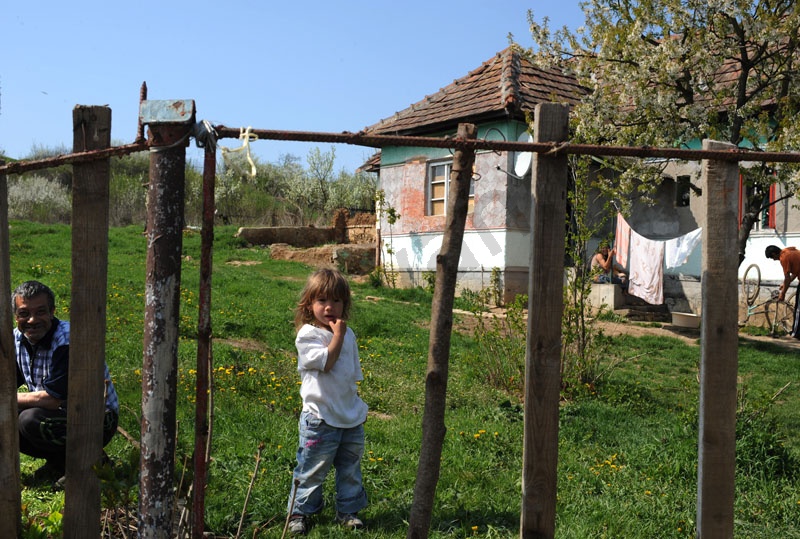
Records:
x=622, y=238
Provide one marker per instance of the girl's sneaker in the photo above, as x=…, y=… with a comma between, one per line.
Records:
x=298, y=525
x=349, y=520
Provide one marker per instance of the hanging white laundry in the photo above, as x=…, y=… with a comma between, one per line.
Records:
x=646, y=273
x=622, y=240
x=677, y=250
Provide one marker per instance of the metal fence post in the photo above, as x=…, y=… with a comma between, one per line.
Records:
x=169, y=136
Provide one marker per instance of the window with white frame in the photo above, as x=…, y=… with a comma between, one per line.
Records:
x=438, y=189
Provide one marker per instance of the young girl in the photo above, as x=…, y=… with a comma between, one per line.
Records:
x=332, y=420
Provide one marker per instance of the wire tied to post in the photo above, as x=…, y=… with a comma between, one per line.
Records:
x=246, y=137
x=556, y=149
x=179, y=142
x=205, y=135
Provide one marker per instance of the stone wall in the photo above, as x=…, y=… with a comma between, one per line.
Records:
x=351, y=259
x=298, y=236
x=306, y=236
x=359, y=228
x=350, y=244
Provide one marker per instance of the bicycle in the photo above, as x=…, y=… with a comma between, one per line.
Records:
x=779, y=314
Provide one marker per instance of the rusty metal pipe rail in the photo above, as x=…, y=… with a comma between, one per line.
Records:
x=18, y=167
x=379, y=141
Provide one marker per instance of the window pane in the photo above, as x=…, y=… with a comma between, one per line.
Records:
x=437, y=207
x=437, y=190
x=438, y=173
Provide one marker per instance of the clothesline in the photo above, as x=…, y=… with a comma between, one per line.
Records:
x=645, y=259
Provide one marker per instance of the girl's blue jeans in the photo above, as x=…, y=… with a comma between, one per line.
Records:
x=322, y=446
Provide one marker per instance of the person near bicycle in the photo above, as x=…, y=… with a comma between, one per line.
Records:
x=789, y=258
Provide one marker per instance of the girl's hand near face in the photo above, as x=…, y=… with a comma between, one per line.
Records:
x=338, y=327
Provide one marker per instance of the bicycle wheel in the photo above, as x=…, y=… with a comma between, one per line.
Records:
x=780, y=317
x=751, y=284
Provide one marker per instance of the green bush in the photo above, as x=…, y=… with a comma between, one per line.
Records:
x=39, y=199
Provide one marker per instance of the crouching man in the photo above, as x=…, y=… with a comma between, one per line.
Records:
x=42, y=351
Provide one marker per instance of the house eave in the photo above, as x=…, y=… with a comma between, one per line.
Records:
x=451, y=124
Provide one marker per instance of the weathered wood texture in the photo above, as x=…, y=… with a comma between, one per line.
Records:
x=545, y=307
x=10, y=505
x=719, y=349
x=91, y=130
x=433, y=427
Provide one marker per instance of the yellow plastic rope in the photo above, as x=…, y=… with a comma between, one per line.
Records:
x=246, y=137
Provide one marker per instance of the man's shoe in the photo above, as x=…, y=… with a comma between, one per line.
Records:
x=47, y=473
x=349, y=520
x=298, y=525
x=60, y=483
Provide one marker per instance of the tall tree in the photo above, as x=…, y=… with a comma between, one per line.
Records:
x=320, y=171
x=672, y=72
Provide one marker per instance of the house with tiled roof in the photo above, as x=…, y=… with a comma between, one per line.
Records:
x=499, y=97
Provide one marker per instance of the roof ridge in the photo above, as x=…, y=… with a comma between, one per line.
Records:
x=509, y=78
x=506, y=85
x=441, y=93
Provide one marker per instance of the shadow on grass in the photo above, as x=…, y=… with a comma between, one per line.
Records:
x=394, y=522
x=775, y=346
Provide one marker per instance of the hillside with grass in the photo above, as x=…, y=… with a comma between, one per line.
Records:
x=627, y=444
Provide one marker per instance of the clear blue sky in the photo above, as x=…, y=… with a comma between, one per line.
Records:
x=289, y=65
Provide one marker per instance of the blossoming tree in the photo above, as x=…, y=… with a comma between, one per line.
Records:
x=672, y=72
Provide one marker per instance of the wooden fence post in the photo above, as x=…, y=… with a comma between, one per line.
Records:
x=719, y=348
x=545, y=307
x=162, y=315
x=433, y=427
x=91, y=130
x=10, y=505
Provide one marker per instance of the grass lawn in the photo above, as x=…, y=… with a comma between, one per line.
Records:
x=627, y=447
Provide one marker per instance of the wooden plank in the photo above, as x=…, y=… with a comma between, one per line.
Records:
x=719, y=347
x=433, y=427
x=10, y=505
x=86, y=402
x=545, y=307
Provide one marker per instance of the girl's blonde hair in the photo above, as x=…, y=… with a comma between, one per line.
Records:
x=323, y=283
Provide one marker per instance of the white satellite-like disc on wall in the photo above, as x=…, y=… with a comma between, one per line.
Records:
x=522, y=160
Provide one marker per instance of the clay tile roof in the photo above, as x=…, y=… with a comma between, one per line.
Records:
x=373, y=164
x=507, y=85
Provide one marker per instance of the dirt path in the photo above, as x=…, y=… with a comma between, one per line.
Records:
x=466, y=322
x=691, y=336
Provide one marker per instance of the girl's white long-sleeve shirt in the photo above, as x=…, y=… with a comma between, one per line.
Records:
x=331, y=396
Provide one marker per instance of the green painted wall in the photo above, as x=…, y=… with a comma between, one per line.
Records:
x=503, y=130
